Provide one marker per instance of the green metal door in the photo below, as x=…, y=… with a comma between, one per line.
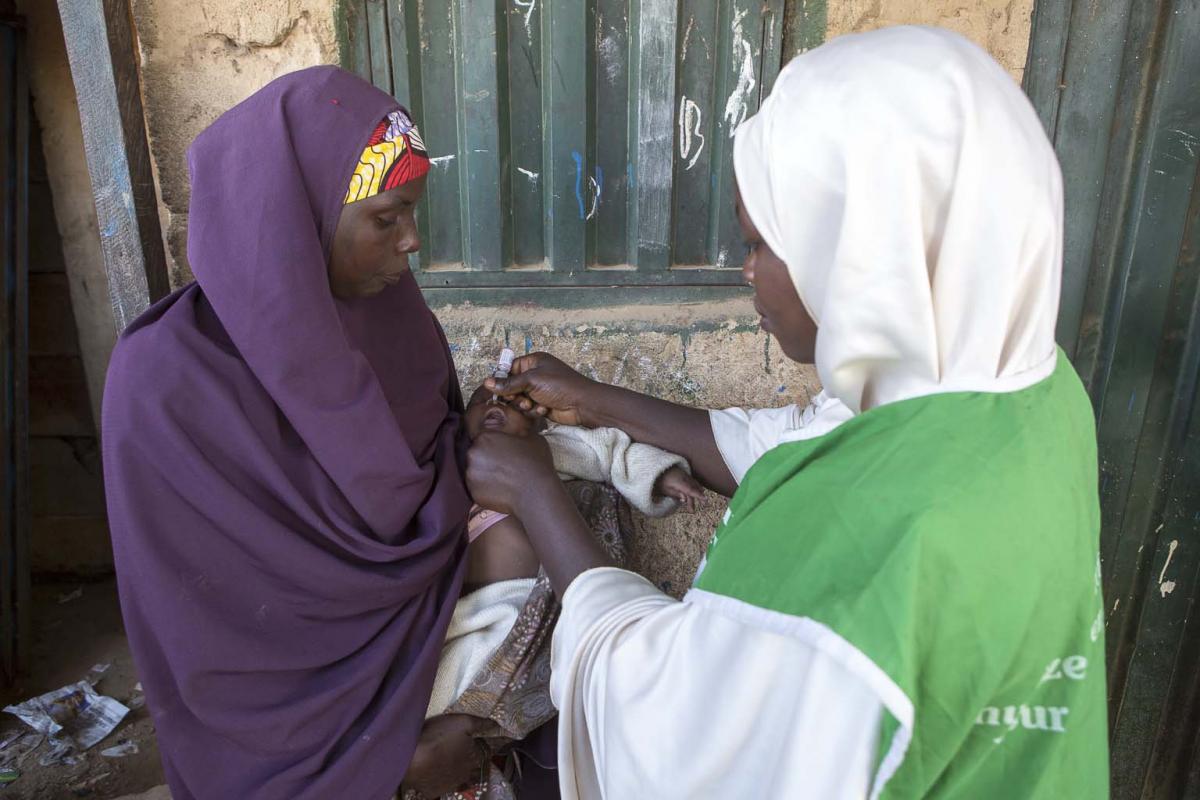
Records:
x=1117, y=85
x=574, y=145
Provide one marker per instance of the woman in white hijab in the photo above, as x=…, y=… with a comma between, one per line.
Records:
x=903, y=598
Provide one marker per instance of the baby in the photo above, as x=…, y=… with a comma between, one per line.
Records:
x=653, y=481
x=495, y=662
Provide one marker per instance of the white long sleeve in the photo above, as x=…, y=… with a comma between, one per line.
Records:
x=666, y=699
x=744, y=435
x=608, y=454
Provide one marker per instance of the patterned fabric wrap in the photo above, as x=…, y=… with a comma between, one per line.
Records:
x=512, y=690
x=394, y=154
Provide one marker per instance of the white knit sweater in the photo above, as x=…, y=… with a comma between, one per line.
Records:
x=609, y=455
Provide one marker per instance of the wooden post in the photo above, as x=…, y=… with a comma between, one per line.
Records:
x=101, y=47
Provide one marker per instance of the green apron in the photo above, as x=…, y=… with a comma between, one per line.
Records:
x=944, y=550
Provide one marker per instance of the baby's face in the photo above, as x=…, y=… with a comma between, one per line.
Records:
x=483, y=415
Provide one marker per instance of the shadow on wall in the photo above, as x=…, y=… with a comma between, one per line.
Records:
x=69, y=530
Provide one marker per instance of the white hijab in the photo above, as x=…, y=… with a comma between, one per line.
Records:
x=906, y=182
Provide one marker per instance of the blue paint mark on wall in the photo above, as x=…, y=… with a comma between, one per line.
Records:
x=110, y=228
x=528, y=343
x=629, y=176
x=599, y=184
x=579, y=181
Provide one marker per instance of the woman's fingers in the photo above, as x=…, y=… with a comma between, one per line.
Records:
x=527, y=362
x=544, y=385
x=502, y=469
x=512, y=385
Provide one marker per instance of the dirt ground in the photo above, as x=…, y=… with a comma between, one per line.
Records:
x=71, y=637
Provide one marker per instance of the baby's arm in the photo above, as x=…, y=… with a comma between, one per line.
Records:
x=577, y=454
x=608, y=454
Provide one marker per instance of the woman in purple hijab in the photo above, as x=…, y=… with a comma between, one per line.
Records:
x=284, y=458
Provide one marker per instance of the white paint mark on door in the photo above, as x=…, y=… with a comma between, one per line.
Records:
x=610, y=56
x=529, y=7
x=1165, y=587
x=691, y=140
x=528, y=173
x=743, y=58
x=595, y=196
x=1188, y=141
x=687, y=34
x=442, y=161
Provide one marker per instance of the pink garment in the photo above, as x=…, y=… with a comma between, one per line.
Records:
x=480, y=519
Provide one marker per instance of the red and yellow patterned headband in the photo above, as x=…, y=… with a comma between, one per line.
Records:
x=394, y=155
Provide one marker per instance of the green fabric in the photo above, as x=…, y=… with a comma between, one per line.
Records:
x=951, y=539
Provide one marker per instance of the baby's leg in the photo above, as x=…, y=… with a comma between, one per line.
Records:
x=501, y=553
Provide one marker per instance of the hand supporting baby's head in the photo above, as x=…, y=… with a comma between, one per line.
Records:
x=484, y=415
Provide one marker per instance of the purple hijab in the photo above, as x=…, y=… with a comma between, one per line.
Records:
x=284, y=474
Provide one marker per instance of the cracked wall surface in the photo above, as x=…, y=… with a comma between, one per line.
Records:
x=199, y=58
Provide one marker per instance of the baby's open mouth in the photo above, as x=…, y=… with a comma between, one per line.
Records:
x=495, y=417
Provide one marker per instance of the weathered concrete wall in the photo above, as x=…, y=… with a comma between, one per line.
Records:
x=71, y=323
x=199, y=59
x=1000, y=26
